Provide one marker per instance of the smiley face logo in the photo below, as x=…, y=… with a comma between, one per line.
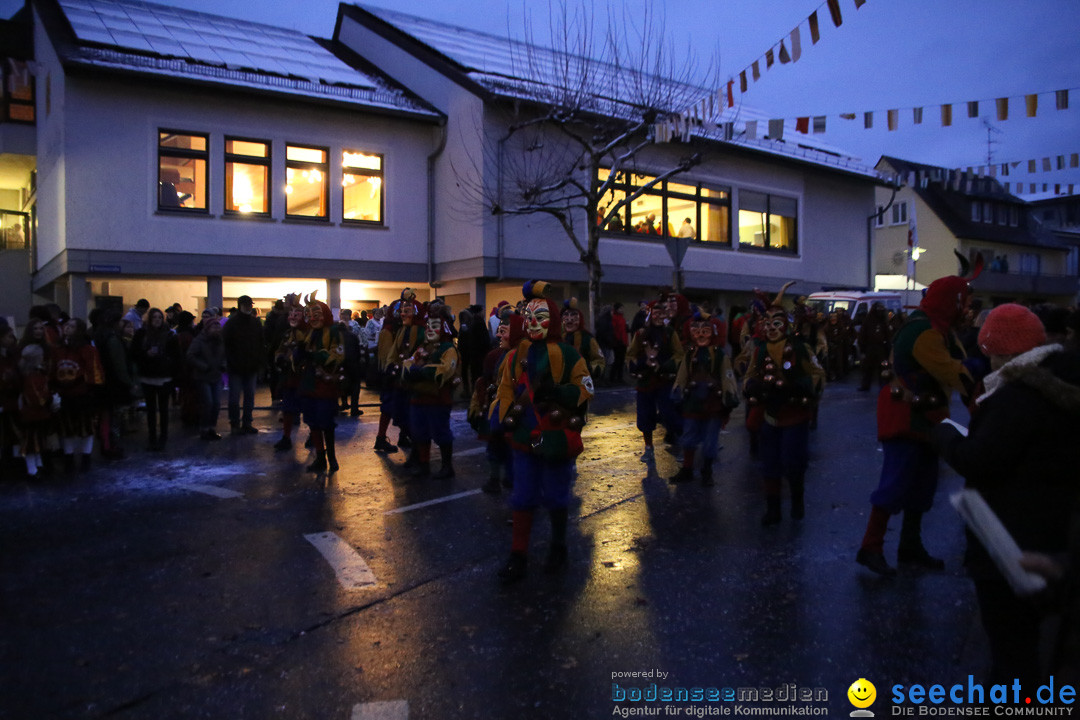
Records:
x=862, y=693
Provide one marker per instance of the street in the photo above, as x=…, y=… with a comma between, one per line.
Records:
x=196, y=583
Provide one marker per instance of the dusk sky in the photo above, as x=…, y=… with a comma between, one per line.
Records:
x=888, y=54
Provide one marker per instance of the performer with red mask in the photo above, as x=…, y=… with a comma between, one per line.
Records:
x=542, y=390
x=575, y=335
x=509, y=334
x=431, y=375
x=399, y=338
x=783, y=377
x=287, y=359
x=928, y=365
x=653, y=358
x=320, y=380
x=706, y=385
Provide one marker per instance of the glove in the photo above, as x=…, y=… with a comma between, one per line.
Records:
x=676, y=393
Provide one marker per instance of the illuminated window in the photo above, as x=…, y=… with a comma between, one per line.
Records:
x=306, y=181
x=182, y=170
x=17, y=92
x=362, y=187
x=668, y=208
x=767, y=222
x=247, y=176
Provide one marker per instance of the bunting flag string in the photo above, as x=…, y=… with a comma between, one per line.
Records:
x=786, y=50
x=705, y=112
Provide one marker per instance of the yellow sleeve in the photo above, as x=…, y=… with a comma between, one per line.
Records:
x=931, y=352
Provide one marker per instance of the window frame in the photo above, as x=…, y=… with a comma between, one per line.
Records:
x=239, y=158
x=323, y=167
x=667, y=217
x=899, y=210
x=204, y=155
x=380, y=173
x=768, y=213
x=8, y=99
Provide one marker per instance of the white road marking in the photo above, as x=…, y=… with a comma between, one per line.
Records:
x=214, y=490
x=384, y=710
x=436, y=501
x=351, y=570
x=470, y=451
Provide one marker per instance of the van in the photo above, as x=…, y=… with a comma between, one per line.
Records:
x=856, y=302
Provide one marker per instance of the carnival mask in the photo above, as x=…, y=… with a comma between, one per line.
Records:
x=537, y=319
x=776, y=324
x=408, y=313
x=433, y=330
x=503, y=336
x=701, y=333
x=571, y=321
x=296, y=317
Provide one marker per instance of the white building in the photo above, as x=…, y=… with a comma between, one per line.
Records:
x=194, y=158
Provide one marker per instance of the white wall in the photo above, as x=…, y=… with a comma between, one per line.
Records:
x=110, y=168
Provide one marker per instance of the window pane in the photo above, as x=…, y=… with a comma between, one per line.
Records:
x=782, y=232
x=183, y=142
x=609, y=199
x=361, y=160
x=303, y=154
x=682, y=189
x=305, y=193
x=247, y=147
x=247, y=188
x=646, y=215
x=716, y=224
x=752, y=227
x=182, y=183
x=787, y=207
x=363, y=197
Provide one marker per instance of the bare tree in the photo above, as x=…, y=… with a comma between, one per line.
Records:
x=583, y=106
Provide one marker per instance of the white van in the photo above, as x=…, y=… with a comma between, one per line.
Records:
x=856, y=302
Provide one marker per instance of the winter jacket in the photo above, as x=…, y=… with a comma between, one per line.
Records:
x=206, y=357
x=1021, y=452
x=156, y=354
x=244, y=348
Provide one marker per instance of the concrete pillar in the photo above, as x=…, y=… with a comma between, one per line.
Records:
x=333, y=295
x=78, y=296
x=215, y=293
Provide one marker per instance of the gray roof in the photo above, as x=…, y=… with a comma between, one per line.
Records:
x=165, y=40
x=515, y=69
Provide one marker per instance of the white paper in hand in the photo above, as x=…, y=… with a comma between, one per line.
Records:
x=1004, y=551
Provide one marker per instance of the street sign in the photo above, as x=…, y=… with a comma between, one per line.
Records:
x=676, y=247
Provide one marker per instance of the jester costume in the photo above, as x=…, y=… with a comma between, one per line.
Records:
x=928, y=365
x=398, y=341
x=653, y=358
x=288, y=361
x=706, y=385
x=783, y=377
x=320, y=380
x=543, y=387
x=430, y=376
x=77, y=375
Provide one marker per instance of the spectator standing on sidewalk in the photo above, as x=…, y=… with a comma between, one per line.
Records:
x=1021, y=454
x=244, y=353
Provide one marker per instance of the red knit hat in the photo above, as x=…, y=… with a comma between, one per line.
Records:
x=1011, y=329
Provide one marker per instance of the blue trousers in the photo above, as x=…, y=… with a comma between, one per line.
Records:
x=784, y=451
x=657, y=404
x=540, y=482
x=238, y=382
x=704, y=432
x=909, y=477
x=430, y=422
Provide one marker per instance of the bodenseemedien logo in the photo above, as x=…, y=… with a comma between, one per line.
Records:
x=862, y=694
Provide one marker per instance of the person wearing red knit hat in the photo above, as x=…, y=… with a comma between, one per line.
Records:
x=1021, y=455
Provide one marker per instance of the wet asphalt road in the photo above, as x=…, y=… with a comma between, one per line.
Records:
x=131, y=592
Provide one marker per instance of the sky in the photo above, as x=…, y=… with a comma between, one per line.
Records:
x=887, y=54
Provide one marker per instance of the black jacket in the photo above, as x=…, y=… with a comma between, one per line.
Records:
x=244, y=349
x=1023, y=449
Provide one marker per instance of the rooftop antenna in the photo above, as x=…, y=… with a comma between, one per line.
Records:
x=990, y=141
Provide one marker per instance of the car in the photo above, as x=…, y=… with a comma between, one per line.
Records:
x=856, y=302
